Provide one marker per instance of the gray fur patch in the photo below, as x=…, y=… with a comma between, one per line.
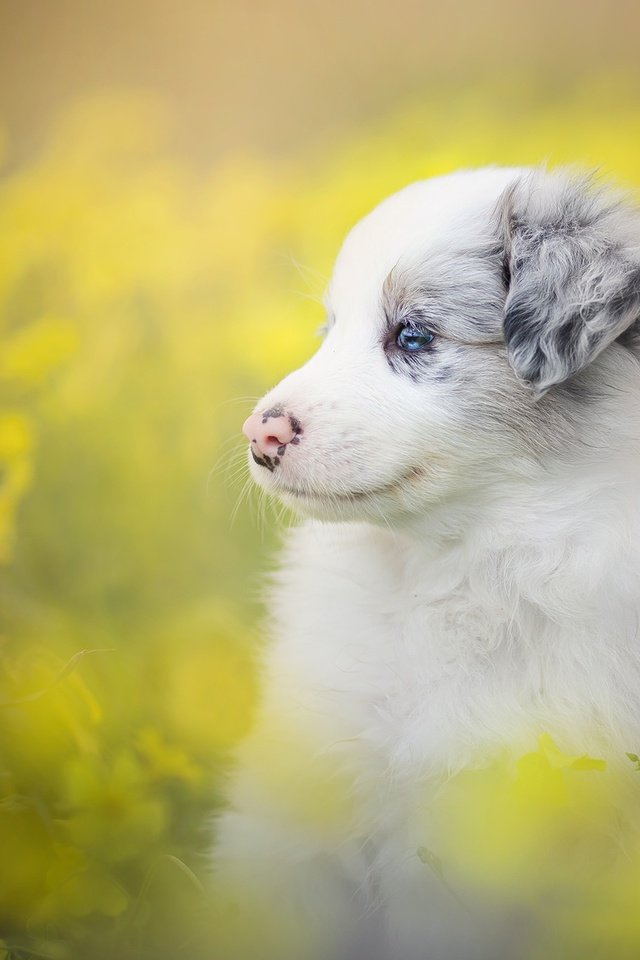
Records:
x=574, y=265
x=457, y=294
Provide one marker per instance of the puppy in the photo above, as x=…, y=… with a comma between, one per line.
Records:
x=464, y=449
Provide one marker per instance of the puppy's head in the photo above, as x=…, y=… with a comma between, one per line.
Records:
x=465, y=314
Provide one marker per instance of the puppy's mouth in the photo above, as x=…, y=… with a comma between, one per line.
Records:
x=351, y=496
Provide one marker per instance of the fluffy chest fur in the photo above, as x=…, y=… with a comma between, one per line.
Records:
x=428, y=660
x=395, y=666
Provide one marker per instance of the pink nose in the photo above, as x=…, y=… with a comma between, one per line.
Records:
x=268, y=435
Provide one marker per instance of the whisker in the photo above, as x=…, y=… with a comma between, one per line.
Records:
x=249, y=398
x=246, y=487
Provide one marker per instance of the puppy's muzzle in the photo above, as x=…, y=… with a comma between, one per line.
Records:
x=270, y=433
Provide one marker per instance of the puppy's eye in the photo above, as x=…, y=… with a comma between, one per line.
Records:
x=412, y=340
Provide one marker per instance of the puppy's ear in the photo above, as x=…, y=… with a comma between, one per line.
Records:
x=572, y=268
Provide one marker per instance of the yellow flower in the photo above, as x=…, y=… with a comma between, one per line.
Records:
x=114, y=810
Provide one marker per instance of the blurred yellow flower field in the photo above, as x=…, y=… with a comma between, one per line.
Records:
x=136, y=293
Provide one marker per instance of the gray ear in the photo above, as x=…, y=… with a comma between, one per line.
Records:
x=572, y=266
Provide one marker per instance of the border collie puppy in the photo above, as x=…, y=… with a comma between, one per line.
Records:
x=464, y=450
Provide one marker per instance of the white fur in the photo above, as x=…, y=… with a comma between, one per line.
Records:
x=489, y=593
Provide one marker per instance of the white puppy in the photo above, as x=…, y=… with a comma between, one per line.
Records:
x=465, y=445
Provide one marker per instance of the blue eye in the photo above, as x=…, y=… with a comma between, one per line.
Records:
x=412, y=340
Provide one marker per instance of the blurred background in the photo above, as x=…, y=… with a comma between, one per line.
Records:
x=175, y=180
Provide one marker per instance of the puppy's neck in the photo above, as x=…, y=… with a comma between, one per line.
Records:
x=566, y=541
